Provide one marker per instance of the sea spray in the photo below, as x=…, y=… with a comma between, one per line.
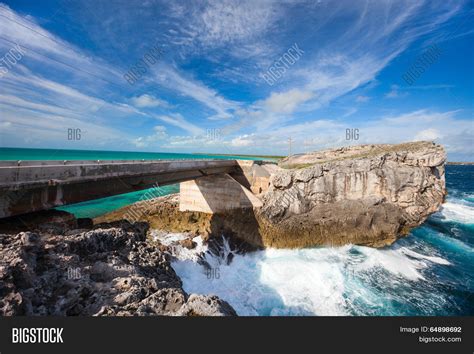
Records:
x=318, y=281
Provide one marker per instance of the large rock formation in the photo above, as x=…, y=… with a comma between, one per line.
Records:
x=108, y=270
x=368, y=195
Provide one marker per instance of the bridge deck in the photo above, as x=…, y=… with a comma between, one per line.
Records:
x=27, y=186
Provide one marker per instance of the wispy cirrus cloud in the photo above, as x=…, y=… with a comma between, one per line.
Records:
x=45, y=48
x=189, y=87
x=73, y=101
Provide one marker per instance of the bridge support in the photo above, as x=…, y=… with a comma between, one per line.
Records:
x=215, y=194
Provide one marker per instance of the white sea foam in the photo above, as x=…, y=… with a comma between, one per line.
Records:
x=433, y=259
x=401, y=262
x=317, y=281
x=456, y=211
x=182, y=253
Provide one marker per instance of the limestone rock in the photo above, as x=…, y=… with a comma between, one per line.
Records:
x=109, y=270
x=369, y=194
x=202, y=305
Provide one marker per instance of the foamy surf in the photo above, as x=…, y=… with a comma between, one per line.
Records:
x=457, y=212
x=316, y=281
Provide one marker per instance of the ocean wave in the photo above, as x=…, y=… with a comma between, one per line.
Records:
x=316, y=281
x=401, y=262
x=443, y=241
x=456, y=211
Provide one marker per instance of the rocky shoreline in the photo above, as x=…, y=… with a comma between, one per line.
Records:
x=108, y=270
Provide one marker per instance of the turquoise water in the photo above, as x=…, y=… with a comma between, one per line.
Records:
x=56, y=154
x=93, y=208
x=97, y=207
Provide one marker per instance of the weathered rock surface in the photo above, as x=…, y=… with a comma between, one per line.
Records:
x=367, y=195
x=110, y=270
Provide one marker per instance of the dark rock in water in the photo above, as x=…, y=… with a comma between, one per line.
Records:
x=110, y=270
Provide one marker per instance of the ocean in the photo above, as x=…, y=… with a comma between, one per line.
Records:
x=429, y=272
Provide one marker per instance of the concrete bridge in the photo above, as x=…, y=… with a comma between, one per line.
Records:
x=27, y=186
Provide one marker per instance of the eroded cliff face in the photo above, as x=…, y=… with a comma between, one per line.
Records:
x=370, y=194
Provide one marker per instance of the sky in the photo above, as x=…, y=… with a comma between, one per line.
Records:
x=236, y=77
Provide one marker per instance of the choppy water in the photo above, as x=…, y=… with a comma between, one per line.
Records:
x=430, y=272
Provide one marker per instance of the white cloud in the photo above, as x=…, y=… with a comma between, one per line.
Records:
x=159, y=137
x=23, y=126
x=228, y=20
x=368, y=43
x=48, y=49
x=444, y=127
x=349, y=112
x=178, y=120
x=218, y=23
x=173, y=80
x=421, y=116
x=428, y=134
x=393, y=93
x=159, y=129
x=287, y=102
x=146, y=101
x=244, y=140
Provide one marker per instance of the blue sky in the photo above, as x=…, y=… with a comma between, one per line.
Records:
x=207, y=92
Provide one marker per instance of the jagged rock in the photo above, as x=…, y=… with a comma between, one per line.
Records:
x=110, y=270
x=201, y=305
x=188, y=243
x=46, y=221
